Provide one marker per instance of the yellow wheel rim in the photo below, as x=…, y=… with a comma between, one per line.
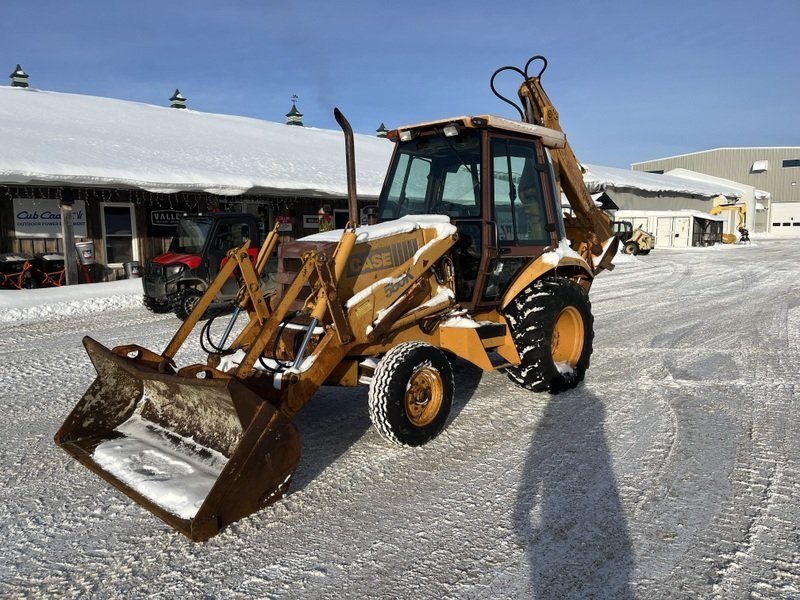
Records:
x=566, y=345
x=424, y=395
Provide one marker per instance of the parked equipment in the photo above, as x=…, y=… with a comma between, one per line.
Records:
x=471, y=257
x=634, y=241
x=48, y=269
x=741, y=210
x=178, y=278
x=15, y=270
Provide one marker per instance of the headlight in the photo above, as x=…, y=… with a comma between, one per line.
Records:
x=173, y=270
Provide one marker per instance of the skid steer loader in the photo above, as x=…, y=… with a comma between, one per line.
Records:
x=471, y=257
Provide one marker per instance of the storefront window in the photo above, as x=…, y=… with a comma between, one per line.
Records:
x=118, y=232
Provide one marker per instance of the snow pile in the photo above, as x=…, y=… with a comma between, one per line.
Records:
x=564, y=250
x=68, y=301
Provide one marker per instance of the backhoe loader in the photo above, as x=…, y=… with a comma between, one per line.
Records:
x=471, y=257
x=634, y=241
x=740, y=209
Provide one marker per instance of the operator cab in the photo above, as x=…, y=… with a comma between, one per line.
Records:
x=494, y=178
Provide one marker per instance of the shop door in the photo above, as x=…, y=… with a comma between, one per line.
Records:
x=119, y=233
x=664, y=232
x=680, y=233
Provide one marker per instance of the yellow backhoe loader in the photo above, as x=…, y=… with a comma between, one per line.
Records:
x=741, y=211
x=470, y=257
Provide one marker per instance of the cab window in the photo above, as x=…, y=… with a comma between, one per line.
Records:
x=519, y=210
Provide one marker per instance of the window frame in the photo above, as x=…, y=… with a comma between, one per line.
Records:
x=133, y=234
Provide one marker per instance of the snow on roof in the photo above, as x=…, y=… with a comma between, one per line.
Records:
x=58, y=138
x=598, y=178
x=695, y=176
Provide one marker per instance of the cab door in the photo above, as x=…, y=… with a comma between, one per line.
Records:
x=522, y=220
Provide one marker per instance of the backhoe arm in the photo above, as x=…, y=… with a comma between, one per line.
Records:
x=539, y=110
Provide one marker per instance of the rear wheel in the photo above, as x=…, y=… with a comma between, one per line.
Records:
x=187, y=300
x=411, y=393
x=552, y=325
x=631, y=248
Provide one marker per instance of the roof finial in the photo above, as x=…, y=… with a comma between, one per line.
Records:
x=177, y=100
x=19, y=78
x=294, y=116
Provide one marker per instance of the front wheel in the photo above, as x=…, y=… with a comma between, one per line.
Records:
x=552, y=325
x=186, y=302
x=411, y=393
x=155, y=306
x=631, y=248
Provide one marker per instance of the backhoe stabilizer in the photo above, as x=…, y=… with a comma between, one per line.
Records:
x=200, y=453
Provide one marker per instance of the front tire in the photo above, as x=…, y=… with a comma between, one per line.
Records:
x=411, y=393
x=631, y=248
x=186, y=302
x=553, y=329
x=155, y=306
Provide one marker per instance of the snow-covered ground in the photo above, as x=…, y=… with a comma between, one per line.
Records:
x=673, y=472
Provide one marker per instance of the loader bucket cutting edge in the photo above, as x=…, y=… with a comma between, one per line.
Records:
x=198, y=453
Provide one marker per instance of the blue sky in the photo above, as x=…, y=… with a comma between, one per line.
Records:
x=632, y=80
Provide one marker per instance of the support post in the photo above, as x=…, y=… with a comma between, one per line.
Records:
x=68, y=235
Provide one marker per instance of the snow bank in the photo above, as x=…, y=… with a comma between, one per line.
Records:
x=68, y=301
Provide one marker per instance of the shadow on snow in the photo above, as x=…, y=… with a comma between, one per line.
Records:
x=568, y=515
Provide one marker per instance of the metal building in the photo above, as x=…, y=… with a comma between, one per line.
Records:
x=775, y=170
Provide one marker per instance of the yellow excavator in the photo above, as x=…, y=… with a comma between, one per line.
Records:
x=741, y=210
x=470, y=257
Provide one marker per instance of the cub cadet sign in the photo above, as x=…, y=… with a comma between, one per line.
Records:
x=40, y=218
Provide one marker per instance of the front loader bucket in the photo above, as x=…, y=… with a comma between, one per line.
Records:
x=198, y=453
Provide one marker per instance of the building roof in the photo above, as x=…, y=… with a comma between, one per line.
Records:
x=53, y=138
x=722, y=149
x=68, y=139
x=599, y=179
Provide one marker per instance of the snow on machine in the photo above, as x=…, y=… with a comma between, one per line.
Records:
x=471, y=257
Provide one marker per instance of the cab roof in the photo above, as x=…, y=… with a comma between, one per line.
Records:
x=550, y=137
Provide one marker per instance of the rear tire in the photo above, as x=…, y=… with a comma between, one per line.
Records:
x=631, y=248
x=186, y=302
x=552, y=325
x=411, y=393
